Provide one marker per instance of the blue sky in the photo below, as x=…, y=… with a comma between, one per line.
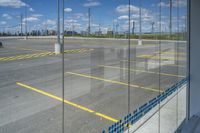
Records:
x=105, y=14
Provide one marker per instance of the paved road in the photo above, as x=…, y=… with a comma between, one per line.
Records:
x=96, y=82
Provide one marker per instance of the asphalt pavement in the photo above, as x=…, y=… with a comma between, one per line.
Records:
x=95, y=85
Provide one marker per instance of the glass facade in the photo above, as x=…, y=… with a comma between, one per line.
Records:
x=116, y=66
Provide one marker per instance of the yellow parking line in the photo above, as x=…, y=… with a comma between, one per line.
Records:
x=42, y=54
x=170, y=52
x=19, y=57
x=113, y=81
x=73, y=51
x=68, y=102
x=161, y=58
x=143, y=71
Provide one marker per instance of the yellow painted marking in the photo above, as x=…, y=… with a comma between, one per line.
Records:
x=106, y=117
x=170, y=52
x=157, y=58
x=37, y=55
x=25, y=56
x=68, y=102
x=143, y=71
x=113, y=81
x=72, y=51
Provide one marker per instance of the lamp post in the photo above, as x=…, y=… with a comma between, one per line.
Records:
x=152, y=28
x=25, y=22
x=58, y=45
x=89, y=21
x=133, y=28
x=21, y=24
x=170, y=19
x=140, y=17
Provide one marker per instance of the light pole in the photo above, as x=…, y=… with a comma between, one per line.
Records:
x=63, y=66
x=117, y=25
x=99, y=30
x=113, y=29
x=25, y=22
x=170, y=19
x=21, y=24
x=152, y=28
x=89, y=21
x=133, y=28
x=140, y=17
x=58, y=45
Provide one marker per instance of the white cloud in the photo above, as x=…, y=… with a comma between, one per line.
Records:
x=183, y=17
x=31, y=19
x=50, y=22
x=7, y=16
x=125, y=9
x=68, y=10
x=3, y=22
x=181, y=3
x=91, y=3
x=163, y=4
x=70, y=21
x=12, y=3
x=31, y=9
x=124, y=17
x=77, y=25
x=37, y=15
x=78, y=15
x=95, y=25
x=104, y=30
x=146, y=14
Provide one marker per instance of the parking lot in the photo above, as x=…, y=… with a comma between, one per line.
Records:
x=95, y=85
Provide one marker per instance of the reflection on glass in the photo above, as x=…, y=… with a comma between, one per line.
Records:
x=124, y=66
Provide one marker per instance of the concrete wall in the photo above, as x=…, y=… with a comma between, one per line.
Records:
x=165, y=119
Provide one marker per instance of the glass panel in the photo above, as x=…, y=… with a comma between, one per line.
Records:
x=176, y=107
x=169, y=109
x=114, y=66
x=30, y=81
x=144, y=66
x=182, y=56
x=95, y=73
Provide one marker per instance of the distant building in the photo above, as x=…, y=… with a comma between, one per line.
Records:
x=84, y=33
x=98, y=32
x=51, y=32
x=35, y=33
x=110, y=32
x=71, y=33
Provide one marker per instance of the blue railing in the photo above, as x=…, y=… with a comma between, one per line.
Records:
x=130, y=119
